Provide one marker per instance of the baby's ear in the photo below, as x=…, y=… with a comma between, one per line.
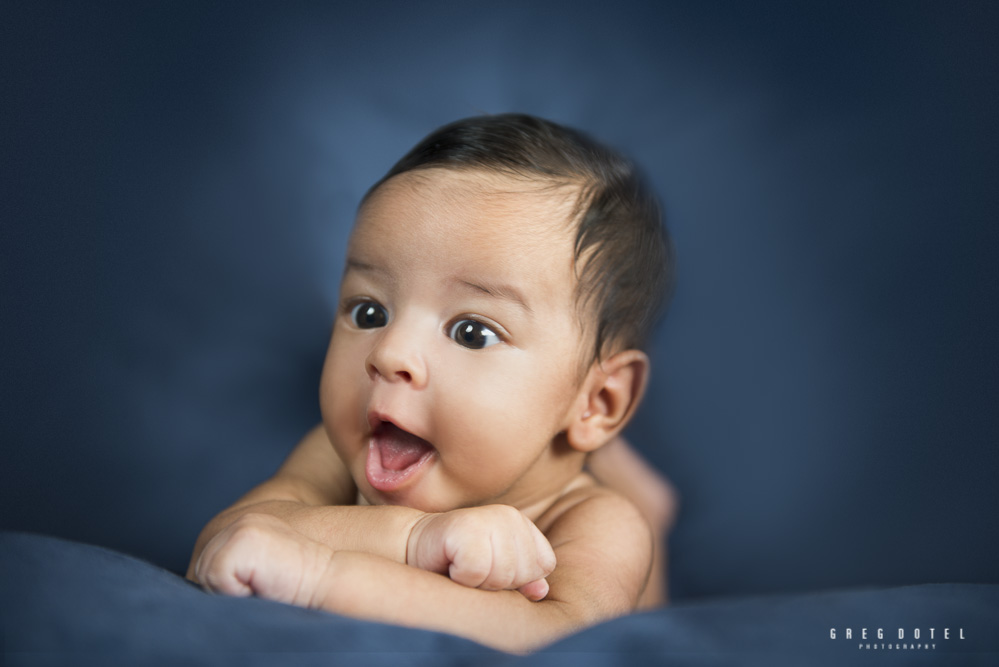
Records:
x=608, y=397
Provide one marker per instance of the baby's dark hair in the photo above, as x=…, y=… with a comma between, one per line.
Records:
x=626, y=276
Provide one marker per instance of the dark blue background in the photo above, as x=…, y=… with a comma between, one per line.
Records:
x=178, y=182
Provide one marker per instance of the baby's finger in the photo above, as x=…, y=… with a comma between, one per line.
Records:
x=545, y=553
x=505, y=566
x=472, y=565
x=535, y=591
x=528, y=567
x=216, y=572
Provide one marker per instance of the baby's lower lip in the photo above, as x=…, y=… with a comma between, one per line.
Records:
x=385, y=480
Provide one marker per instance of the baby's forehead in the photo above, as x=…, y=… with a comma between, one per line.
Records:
x=473, y=222
x=511, y=198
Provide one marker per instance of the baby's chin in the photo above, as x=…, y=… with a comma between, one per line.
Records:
x=425, y=497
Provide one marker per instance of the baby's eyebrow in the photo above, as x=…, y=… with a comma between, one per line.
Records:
x=372, y=271
x=353, y=264
x=505, y=292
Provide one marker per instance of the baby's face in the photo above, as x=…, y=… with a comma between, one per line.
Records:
x=455, y=359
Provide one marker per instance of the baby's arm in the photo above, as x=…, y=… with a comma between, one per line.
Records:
x=603, y=547
x=602, y=544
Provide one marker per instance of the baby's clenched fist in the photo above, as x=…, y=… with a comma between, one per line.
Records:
x=261, y=555
x=494, y=547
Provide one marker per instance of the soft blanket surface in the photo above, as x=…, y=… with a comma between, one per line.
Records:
x=70, y=603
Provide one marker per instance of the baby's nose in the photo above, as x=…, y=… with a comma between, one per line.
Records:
x=398, y=357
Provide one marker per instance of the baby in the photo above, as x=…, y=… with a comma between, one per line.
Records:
x=499, y=284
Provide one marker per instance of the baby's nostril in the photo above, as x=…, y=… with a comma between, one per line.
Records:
x=405, y=375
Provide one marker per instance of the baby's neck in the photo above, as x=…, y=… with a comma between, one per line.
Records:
x=536, y=509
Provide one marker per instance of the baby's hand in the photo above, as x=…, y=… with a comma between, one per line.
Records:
x=258, y=554
x=494, y=547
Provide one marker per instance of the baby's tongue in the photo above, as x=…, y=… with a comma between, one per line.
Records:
x=400, y=449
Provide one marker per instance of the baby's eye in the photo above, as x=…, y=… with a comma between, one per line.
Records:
x=472, y=334
x=369, y=315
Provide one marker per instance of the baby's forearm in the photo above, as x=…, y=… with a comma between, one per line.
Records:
x=382, y=530
x=369, y=587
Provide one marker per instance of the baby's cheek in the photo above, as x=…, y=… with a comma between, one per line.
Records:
x=340, y=398
x=502, y=413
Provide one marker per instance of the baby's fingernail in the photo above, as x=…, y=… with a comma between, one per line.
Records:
x=543, y=591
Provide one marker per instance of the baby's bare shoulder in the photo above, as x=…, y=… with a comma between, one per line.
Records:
x=603, y=546
x=591, y=509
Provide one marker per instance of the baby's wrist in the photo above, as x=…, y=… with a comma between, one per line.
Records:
x=416, y=531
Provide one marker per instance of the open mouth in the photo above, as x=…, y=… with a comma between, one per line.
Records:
x=395, y=456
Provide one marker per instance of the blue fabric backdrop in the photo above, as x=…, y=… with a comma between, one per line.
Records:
x=179, y=180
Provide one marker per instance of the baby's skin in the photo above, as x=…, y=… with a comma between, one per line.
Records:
x=455, y=482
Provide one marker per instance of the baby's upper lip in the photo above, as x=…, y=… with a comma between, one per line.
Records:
x=376, y=418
